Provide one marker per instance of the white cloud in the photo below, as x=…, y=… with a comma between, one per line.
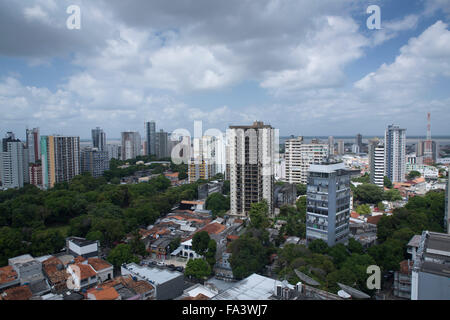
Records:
x=391, y=29
x=421, y=61
x=320, y=60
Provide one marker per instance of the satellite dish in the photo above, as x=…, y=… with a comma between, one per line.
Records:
x=343, y=294
x=353, y=292
x=306, y=278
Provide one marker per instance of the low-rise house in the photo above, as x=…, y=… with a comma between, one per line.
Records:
x=55, y=273
x=161, y=248
x=82, y=276
x=103, y=269
x=28, y=268
x=8, y=278
x=77, y=246
x=17, y=293
x=402, y=280
x=168, y=284
x=103, y=293
x=198, y=292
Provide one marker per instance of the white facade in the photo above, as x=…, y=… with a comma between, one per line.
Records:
x=131, y=145
x=299, y=156
x=376, y=161
x=252, y=157
x=395, y=153
x=13, y=163
x=428, y=172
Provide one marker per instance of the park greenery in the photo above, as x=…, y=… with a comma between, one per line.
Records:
x=218, y=204
x=206, y=247
x=36, y=221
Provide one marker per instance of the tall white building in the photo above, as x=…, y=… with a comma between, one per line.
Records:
x=13, y=162
x=331, y=145
x=376, y=162
x=112, y=151
x=341, y=147
x=299, y=156
x=395, y=153
x=131, y=145
x=251, y=154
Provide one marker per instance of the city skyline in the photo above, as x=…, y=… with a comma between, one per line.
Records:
x=171, y=63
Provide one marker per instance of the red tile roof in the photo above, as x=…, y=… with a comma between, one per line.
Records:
x=79, y=259
x=17, y=293
x=374, y=219
x=104, y=293
x=99, y=264
x=232, y=237
x=86, y=271
x=354, y=215
x=7, y=274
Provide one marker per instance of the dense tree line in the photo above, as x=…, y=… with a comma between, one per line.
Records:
x=36, y=221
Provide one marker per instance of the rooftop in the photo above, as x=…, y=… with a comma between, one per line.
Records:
x=81, y=242
x=86, y=270
x=7, y=274
x=433, y=254
x=254, y=287
x=99, y=264
x=17, y=293
x=104, y=293
x=154, y=275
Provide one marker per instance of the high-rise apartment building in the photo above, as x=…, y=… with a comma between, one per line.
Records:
x=299, y=156
x=420, y=151
x=33, y=145
x=131, y=145
x=376, y=162
x=99, y=139
x=331, y=145
x=328, y=203
x=113, y=151
x=60, y=159
x=13, y=162
x=94, y=161
x=251, y=166
x=162, y=144
x=341, y=147
x=395, y=153
x=358, y=141
x=150, y=135
x=35, y=174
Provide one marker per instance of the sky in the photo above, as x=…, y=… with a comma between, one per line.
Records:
x=309, y=68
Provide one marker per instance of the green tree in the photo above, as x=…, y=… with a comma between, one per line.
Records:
x=318, y=246
x=392, y=195
x=258, y=215
x=121, y=254
x=387, y=182
x=368, y=193
x=363, y=209
x=200, y=242
x=247, y=256
x=354, y=246
x=211, y=253
x=217, y=203
x=414, y=174
x=174, y=244
x=301, y=189
x=197, y=268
